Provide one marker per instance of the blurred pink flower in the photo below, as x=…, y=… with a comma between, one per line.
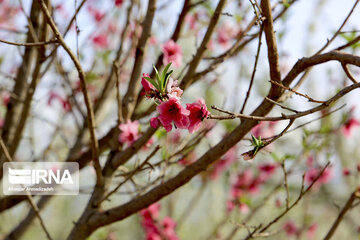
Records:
x=97, y=15
x=172, y=111
x=118, y=3
x=349, y=126
x=169, y=228
x=153, y=40
x=172, y=53
x=313, y=173
x=129, y=132
x=224, y=162
x=245, y=182
x=346, y=172
x=64, y=102
x=311, y=231
x=290, y=228
x=225, y=34
x=198, y=112
x=278, y=202
x=230, y=205
x=266, y=171
x=100, y=40
x=5, y=98
x=244, y=208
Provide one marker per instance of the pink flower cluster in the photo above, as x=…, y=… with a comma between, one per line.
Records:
x=291, y=230
x=248, y=183
x=170, y=109
x=154, y=228
x=314, y=172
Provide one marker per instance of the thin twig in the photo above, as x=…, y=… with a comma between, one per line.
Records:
x=28, y=195
x=348, y=73
x=90, y=113
x=35, y=44
x=297, y=93
x=254, y=70
x=342, y=213
x=130, y=175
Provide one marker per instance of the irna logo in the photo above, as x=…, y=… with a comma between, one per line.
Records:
x=37, y=176
x=41, y=178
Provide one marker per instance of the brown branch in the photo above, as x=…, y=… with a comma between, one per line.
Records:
x=342, y=213
x=130, y=98
x=348, y=73
x=34, y=44
x=273, y=56
x=90, y=113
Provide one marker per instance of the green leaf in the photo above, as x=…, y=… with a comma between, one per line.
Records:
x=152, y=82
x=157, y=76
x=167, y=76
x=164, y=72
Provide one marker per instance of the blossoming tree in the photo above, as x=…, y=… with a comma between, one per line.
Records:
x=188, y=119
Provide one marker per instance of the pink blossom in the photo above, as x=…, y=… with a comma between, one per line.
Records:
x=151, y=212
x=198, y=112
x=172, y=111
x=245, y=183
x=100, y=40
x=169, y=228
x=225, y=34
x=346, y=172
x=266, y=171
x=278, y=202
x=244, y=208
x=172, y=53
x=154, y=122
x=153, y=40
x=64, y=102
x=349, y=126
x=230, y=205
x=224, y=163
x=313, y=173
x=118, y=3
x=129, y=132
x=192, y=20
x=264, y=129
x=290, y=228
x=5, y=98
x=97, y=15
x=310, y=161
x=311, y=231
x=173, y=91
